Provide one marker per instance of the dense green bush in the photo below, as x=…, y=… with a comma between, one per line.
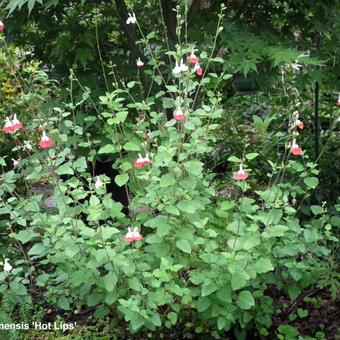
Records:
x=204, y=257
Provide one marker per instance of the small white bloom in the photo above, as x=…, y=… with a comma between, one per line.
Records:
x=27, y=145
x=15, y=163
x=177, y=69
x=183, y=67
x=98, y=184
x=139, y=63
x=7, y=266
x=131, y=19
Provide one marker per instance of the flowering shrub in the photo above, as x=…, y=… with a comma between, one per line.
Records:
x=182, y=252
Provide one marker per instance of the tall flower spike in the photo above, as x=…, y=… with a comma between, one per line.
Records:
x=179, y=114
x=139, y=63
x=295, y=149
x=8, y=127
x=241, y=175
x=192, y=58
x=131, y=19
x=45, y=141
x=2, y=26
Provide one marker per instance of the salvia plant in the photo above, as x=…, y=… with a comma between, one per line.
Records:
x=181, y=252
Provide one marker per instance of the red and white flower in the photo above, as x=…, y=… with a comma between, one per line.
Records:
x=139, y=63
x=45, y=141
x=192, y=58
x=2, y=26
x=338, y=102
x=147, y=160
x=179, y=115
x=8, y=127
x=241, y=175
x=299, y=124
x=198, y=69
x=148, y=134
x=131, y=19
x=132, y=235
x=295, y=149
x=17, y=124
x=139, y=162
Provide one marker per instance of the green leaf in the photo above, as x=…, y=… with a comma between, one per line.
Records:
x=263, y=265
x=25, y=236
x=65, y=169
x=108, y=148
x=194, y=167
x=311, y=182
x=63, y=303
x=121, y=179
x=163, y=229
x=239, y=279
x=187, y=207
x=167, y=180
x=110, y=281
x=251, y=156
x=203, y=303
x=184, y=245
x=129, y=146
x=209, y=288
x=245, y=300
x=234, y=159
x=316, y=209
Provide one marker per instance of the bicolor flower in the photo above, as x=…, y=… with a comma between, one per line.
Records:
x=98, y=183
x=7, y=266
x=132, y=235
x=192, y=58
x=148, y=134
x=295, y=149
x=147, y=160
x=45, y=141
x=179, y=115
x=139, y=63
x=139, y=162
x=299, y=124
x=198, y=69
x=131, y=19
x=17, y=124
x=2, y=26
x=241, y=175
x=338, y=102
x=8, y=127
